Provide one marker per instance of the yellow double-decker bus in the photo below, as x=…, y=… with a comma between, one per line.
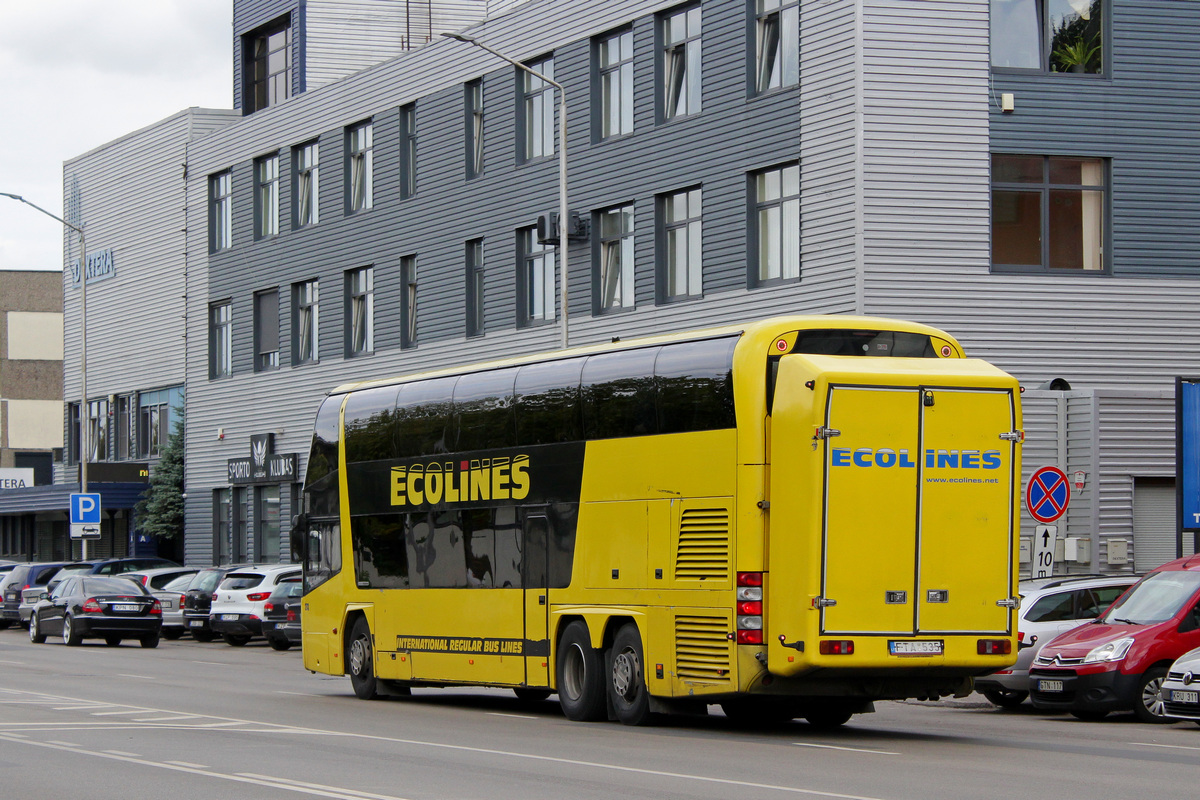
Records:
x=789, y=518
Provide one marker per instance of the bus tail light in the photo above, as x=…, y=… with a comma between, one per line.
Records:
x=749, y=608
x=994, y=647
x=837, y=647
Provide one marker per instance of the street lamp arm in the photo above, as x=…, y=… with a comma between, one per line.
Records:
x=20, y=199
x=472, y=40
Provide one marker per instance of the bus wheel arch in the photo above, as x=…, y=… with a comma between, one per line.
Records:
x=580, y=674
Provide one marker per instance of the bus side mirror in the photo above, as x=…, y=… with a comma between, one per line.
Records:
x=299, y=528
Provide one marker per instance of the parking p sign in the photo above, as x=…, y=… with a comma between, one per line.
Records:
x=85, y=516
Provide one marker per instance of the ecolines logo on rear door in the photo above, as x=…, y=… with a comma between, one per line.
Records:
x=934, y=459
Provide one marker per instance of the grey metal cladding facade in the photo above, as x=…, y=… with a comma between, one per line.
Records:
x=1142, y=114
x=251, y=14
x=716, y=150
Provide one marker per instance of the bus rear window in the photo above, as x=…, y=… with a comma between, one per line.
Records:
x=849, y=342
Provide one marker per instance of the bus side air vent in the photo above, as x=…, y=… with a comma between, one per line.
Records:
x=702, y=649
x=702, y=552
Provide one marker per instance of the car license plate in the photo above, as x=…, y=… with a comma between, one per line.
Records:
x=1050, y=686
x=1181, y=696
x=125, y=606
x=196, y=623
x=229, y=617
x=908, y=648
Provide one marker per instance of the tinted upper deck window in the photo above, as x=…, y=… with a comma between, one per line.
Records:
x=371, y=424
x=695, y=386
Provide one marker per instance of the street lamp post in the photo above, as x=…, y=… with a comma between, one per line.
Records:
x=562, y=163
x=83, y=431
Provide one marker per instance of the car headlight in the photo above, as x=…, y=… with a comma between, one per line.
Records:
x=1112, y=651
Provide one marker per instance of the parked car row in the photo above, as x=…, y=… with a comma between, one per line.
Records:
x=1091, y=646
x=153, y=598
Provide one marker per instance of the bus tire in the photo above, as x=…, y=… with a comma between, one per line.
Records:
x=360, y=661
x=579, y=670
x=627, y=685
x=828, y=718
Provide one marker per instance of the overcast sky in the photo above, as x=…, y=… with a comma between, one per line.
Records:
x=75, y=74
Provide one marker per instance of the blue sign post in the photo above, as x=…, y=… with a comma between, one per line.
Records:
x=85, y=516
x=1187, y=461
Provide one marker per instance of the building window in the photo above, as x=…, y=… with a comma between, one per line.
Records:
x=408, y=279
x=408, y=150
x=223, y=546
x=474, y=124
x=358, y=148
x=268, y=65
x=97, y=430
x=777, y=44
x=307, y=188
x=268, y=525
x=614, y=63
x=475, y=287
x=156, y=412
x=679, y=246
x=537, y=116
x=266, y=330
x=1048, y=212
x=777, y=223
x=125, y=420
x=680, y=62
x=266, y=197
x=72, y=454
x=220, y=340
x=360, y=290
x=240, y=537
x=536, y=279
x=614, y=259
x=306, y=319
x=220, y=197
x=1048, y=35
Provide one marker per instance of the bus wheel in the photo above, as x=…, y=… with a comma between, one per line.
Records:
x=361, y=662
x=579, y=672
x=827, y=718
x=627, y=689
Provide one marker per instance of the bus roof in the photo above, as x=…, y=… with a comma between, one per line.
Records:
x=762, y=328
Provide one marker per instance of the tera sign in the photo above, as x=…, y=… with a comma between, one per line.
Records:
x=20, y=478
x=99, y=267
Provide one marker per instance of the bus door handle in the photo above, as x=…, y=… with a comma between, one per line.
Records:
x=541, y=599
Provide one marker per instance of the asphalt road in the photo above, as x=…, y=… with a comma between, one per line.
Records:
x=192, y=720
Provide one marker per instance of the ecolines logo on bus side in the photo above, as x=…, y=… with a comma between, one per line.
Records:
x=934, y=459
x=496, y=478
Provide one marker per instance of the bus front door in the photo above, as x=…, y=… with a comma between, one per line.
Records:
x=536, y=568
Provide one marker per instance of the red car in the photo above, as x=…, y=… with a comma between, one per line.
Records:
x=1118, y=661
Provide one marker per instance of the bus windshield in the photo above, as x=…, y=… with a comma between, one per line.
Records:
x=848, y=342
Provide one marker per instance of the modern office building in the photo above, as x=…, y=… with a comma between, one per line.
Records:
x=1022, y=173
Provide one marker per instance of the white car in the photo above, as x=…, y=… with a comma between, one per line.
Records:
x=1049, y=606
x=1181, y=689
x=237, y=604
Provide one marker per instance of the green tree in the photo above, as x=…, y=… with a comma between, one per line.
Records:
x=160, y=511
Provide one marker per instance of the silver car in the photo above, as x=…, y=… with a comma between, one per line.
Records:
x=1049, y=606
x=1181, y=689
x=171, y=597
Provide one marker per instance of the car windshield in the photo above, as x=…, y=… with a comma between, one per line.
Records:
x=206, y=580
x=180, y=583
x=93, y=586
x=1158, y=598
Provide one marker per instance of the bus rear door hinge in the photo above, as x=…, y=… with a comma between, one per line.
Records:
x=824, y=432
x=823, y=602
x=1009, y=602
x=1013, y=436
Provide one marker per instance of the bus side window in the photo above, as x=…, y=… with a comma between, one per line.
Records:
x=423, y=412
x=618, y=394
x=548, y=403
x=695, y=386
x=323, y=556
x=484, y=412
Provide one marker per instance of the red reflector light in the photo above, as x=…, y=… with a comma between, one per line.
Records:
x=749, y=607
x=749, y=579
x=91, y=606
x=268, y=607
x=291, y=617
x=750, y=637
x=837, y=647
x=257, y=596
x=994, y=647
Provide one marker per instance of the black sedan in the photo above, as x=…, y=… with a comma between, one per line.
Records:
x=84, y=606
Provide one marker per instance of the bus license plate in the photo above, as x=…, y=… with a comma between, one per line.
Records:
x=907, y=648
x=1050, y=686
x=1181, y=696
x=125, y=607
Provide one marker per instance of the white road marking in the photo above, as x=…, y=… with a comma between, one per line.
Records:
x=213, y=663
x=118, y=713
x=139, y=677
x=123, y=753
x=847, y=749
x=306, y=785
x=510, y=716
x=167, y=719
x=300, y=694
x=1168, y=746
x=187, y=764
x=72, y=745
x=82, y=708
x=17, y=663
